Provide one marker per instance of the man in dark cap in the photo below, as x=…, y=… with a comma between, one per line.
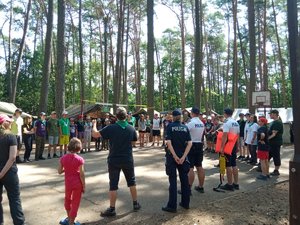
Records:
x=275, y=140
x=230, y=126
x=178, y=140
x=121, y=135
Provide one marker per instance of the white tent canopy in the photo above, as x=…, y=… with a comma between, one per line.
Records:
x=9, y=109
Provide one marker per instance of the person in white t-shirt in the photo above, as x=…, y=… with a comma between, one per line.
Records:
x=230, y=126
x=247, y=145
x=195, y=156
x=156, y=125
x=252, y=139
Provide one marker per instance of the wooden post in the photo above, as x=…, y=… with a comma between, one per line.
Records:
x=294, y=169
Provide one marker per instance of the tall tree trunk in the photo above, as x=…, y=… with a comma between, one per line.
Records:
x=252, y=47
x=21, y=49
x=82, y=75
x=242, y=48
x=182, y=33
x=125, y=94
x=60, y=75
x=235, y=73
x=47, y=60
x=161, y=99
x=260, y=46
x=283, y=83
x=198, y=53
x=105, y=86
x=265, y=65
x=150, y=58
x=117, y=75
x=9, y=64
x=225, y=103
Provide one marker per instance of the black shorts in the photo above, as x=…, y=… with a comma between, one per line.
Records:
x=148, y=130
x=275, y=154
x=231, y=159
x=209, y=137
x=114, y=174
x=195, y=155
x=156, y=133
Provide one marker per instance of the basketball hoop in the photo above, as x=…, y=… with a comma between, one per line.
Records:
x=261, y=99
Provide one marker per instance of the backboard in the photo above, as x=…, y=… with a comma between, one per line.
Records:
x=261, y=98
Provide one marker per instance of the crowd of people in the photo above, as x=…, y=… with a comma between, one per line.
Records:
x=184, y=138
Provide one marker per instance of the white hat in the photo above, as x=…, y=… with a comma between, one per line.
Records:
x=65, y=113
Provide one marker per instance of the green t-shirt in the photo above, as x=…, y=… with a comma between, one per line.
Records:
x=52, y=127
x=278, y=126
x=64, y=124
x=132, y=121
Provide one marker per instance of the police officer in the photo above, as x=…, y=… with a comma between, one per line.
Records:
x=196, y=128
x=179, y=143
x=230, y=126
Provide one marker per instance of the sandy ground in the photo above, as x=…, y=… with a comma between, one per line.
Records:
x=257, y=202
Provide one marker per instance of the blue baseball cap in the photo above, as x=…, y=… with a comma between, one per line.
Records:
x=176, y=112
x=195, y=110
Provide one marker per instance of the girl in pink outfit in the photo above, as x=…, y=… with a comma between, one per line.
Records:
x=72, y=165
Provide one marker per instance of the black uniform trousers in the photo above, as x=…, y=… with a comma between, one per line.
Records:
x=183, y=170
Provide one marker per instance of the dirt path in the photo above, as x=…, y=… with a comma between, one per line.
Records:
x=257, y=202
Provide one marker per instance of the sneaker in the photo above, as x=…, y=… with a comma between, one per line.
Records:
x=240, y=157
x=41, y=158
x=77, y=223
x=262, y=177
x=168, y=209
x=185, y=207
x=55, y=156
x=268, y=176
x=108, y=212
x=136, y=207
x=236, y=186
x=275, y=173
x=199, y=189
x=49, y=157
x=227, y=187
x=64, y=221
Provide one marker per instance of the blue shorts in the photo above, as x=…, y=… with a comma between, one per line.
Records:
x=53, y=140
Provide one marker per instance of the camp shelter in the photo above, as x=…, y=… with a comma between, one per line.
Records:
x=9, y=109
x=286, y=115
x=143, y=111
x=92, y=110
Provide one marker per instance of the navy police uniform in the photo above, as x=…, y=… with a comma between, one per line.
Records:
x=179, y=135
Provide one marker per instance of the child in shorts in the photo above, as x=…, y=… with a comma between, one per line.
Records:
x=263, y=148
x=72, y=165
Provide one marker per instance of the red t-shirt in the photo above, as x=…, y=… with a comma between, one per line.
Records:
x=71, y=164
